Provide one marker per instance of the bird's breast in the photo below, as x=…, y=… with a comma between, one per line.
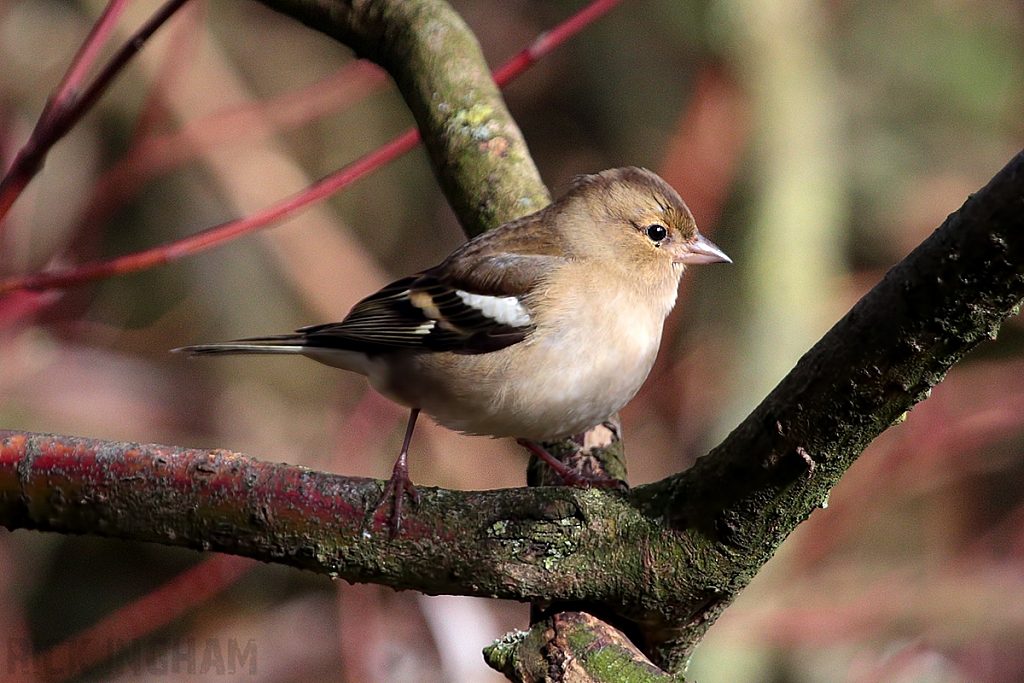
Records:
x=580, y=365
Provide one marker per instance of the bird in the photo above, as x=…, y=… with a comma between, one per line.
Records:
x=539, y=329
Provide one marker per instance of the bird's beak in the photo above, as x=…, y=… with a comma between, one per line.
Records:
x=701, y=250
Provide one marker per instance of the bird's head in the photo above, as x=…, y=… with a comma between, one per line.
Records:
x=633, y=217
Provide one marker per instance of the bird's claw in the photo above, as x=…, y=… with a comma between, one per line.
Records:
x=569, y=476
x=395, y=489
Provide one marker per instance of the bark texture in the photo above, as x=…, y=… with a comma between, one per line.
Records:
x=660, y=562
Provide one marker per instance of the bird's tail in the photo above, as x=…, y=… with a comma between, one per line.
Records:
x=281, y=343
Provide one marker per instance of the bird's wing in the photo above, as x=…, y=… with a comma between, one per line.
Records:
x=470, y=310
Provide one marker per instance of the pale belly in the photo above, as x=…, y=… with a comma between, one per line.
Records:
x=572, y=382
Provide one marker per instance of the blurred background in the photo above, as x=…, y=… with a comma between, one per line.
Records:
x=817, y=142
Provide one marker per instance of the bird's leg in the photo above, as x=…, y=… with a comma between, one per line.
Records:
x=399, y=484
x=570, y=477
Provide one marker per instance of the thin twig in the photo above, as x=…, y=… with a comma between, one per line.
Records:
x=117, y=631
x=67, y=109
x=85, y=58
x=211, y=237
x=214, y=236
x=159, y=153
x=549, y=40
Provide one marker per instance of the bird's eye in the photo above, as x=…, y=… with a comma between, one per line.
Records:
x=656, y=232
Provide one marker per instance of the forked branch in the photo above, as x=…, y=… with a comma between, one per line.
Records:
x=660, y=562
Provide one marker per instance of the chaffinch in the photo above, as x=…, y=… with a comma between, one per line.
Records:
x=539, y=329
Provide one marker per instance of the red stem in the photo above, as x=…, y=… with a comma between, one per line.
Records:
x=217, y=235
x=549, y=40
x=158, y=153
x=86, y=56
x=118, y=630
x=66, y=109
x=205, y=239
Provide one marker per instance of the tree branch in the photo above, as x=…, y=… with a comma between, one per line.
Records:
x=517, y=544
x=572, y=646
x=737, y=504
x=662, y=561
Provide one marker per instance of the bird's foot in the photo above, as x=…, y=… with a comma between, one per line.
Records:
x=571, y=477
x=395, y=489
x=400, y=484
x=808, y=460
